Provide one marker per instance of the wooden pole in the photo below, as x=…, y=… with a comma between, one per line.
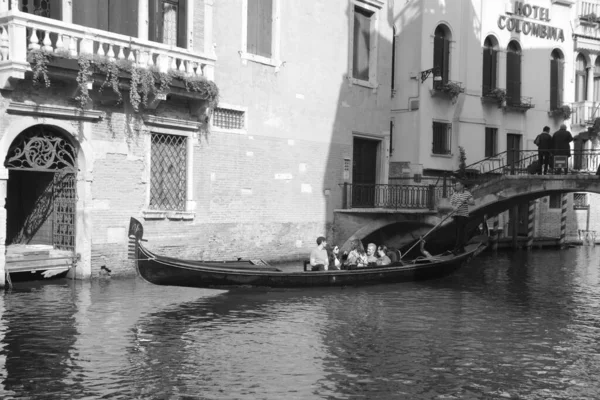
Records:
x=515, y=226
x=563, y=221
x=495, y=235
x=530, y=224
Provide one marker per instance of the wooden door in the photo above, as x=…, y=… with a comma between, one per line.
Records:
x=364, y=172
x=513, y=150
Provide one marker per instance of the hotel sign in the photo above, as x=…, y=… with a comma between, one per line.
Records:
x=516, y=22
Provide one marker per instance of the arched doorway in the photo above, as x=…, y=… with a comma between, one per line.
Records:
x=41, y=192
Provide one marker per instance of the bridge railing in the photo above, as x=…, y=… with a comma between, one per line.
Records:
x=400, y=193
x=519, y=162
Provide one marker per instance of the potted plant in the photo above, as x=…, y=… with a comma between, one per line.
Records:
x=563, y=112
x=451, y=89
x=498, y=94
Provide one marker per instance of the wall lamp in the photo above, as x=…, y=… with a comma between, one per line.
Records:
x=437, y=76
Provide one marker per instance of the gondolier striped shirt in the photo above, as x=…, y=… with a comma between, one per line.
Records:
x=461, y=200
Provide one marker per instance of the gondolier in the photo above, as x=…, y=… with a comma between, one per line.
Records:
x=460, y=201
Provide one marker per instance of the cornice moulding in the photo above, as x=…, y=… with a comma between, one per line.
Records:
x=50, y=111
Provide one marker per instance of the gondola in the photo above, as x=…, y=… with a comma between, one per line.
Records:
x=162, y=270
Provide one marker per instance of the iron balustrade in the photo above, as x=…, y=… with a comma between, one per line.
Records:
x=516, y=162
x=396, y=196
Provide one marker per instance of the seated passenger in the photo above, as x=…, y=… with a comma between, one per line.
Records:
x=334, y=260
x=383, y=257
x=357, y=258
x=371, y=256
x=319, y=261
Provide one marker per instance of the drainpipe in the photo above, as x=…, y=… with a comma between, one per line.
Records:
x=3, y=187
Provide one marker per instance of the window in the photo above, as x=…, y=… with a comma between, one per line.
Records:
x=441, y=51
x=490, y=65
x=363, y=43
x=116, y=16
x=226, y=118
x=580, y=78
x=167, y=22
x=491, y=142
x=580, y=201
x=168, y=172
x=554, y=201
x=43, y=8
x=260, y=31
x=556, y=79
x=513, y=73
x=442, y=134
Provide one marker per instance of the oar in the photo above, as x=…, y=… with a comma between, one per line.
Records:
x=433, y=229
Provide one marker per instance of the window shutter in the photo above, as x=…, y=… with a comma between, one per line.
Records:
x=487, y=71
x=560, y=80
x=494, y=69
x=182, y=24
x=554, y=85
x=513, y=77
x=154, y=21
x=252, y=27
x=265, y=28
x=446, y=61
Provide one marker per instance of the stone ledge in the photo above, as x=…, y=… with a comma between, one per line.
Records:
x=170, y=215
x=171, y=123
x=61, y=112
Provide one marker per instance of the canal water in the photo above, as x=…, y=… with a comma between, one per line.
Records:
x=507, y=326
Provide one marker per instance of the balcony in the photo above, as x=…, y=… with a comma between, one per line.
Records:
x=520, y=103
x=588, y=11
x=584, y=112
x=21, y=33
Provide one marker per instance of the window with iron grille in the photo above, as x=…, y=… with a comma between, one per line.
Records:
x=554, y=201
x=491, y=142
x=580, y=201
x=442, y=134
x=227, y=118
x=168, y=172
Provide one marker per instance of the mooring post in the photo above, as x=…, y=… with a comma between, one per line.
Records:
x=495, y=233
x=515, y=227
x=530, y=224
x=563, y=221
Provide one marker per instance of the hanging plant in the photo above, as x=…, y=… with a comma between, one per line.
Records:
x=39, y=61
x=111, y=70
x=84, y=75
x=563, y=112
x=451, y=89
x=497, y=94
x=134, y=96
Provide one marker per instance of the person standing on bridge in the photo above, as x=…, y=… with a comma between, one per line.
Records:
x=544, y=143
x=460, y=201
x=561, y=143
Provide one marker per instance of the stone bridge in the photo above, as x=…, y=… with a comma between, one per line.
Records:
x=491, y=197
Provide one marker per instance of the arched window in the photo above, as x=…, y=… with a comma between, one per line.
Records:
x=556, y=79
x=580, y=78
x=441, y=51
x=513, y=73
x=490, y=64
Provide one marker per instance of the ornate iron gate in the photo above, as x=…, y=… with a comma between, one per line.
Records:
x=40, y=149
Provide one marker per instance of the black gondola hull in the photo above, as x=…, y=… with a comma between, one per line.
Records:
x=162, y=270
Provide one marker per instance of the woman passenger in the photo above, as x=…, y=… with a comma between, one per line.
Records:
x=357, y=258
x=334, y=258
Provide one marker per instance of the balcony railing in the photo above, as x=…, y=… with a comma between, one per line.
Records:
x=522, y=103
x=588, y=10
x=584, y=112
x=401, y=193
x=21, y=32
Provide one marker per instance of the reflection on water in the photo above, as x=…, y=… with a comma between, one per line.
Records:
x=515, y=325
